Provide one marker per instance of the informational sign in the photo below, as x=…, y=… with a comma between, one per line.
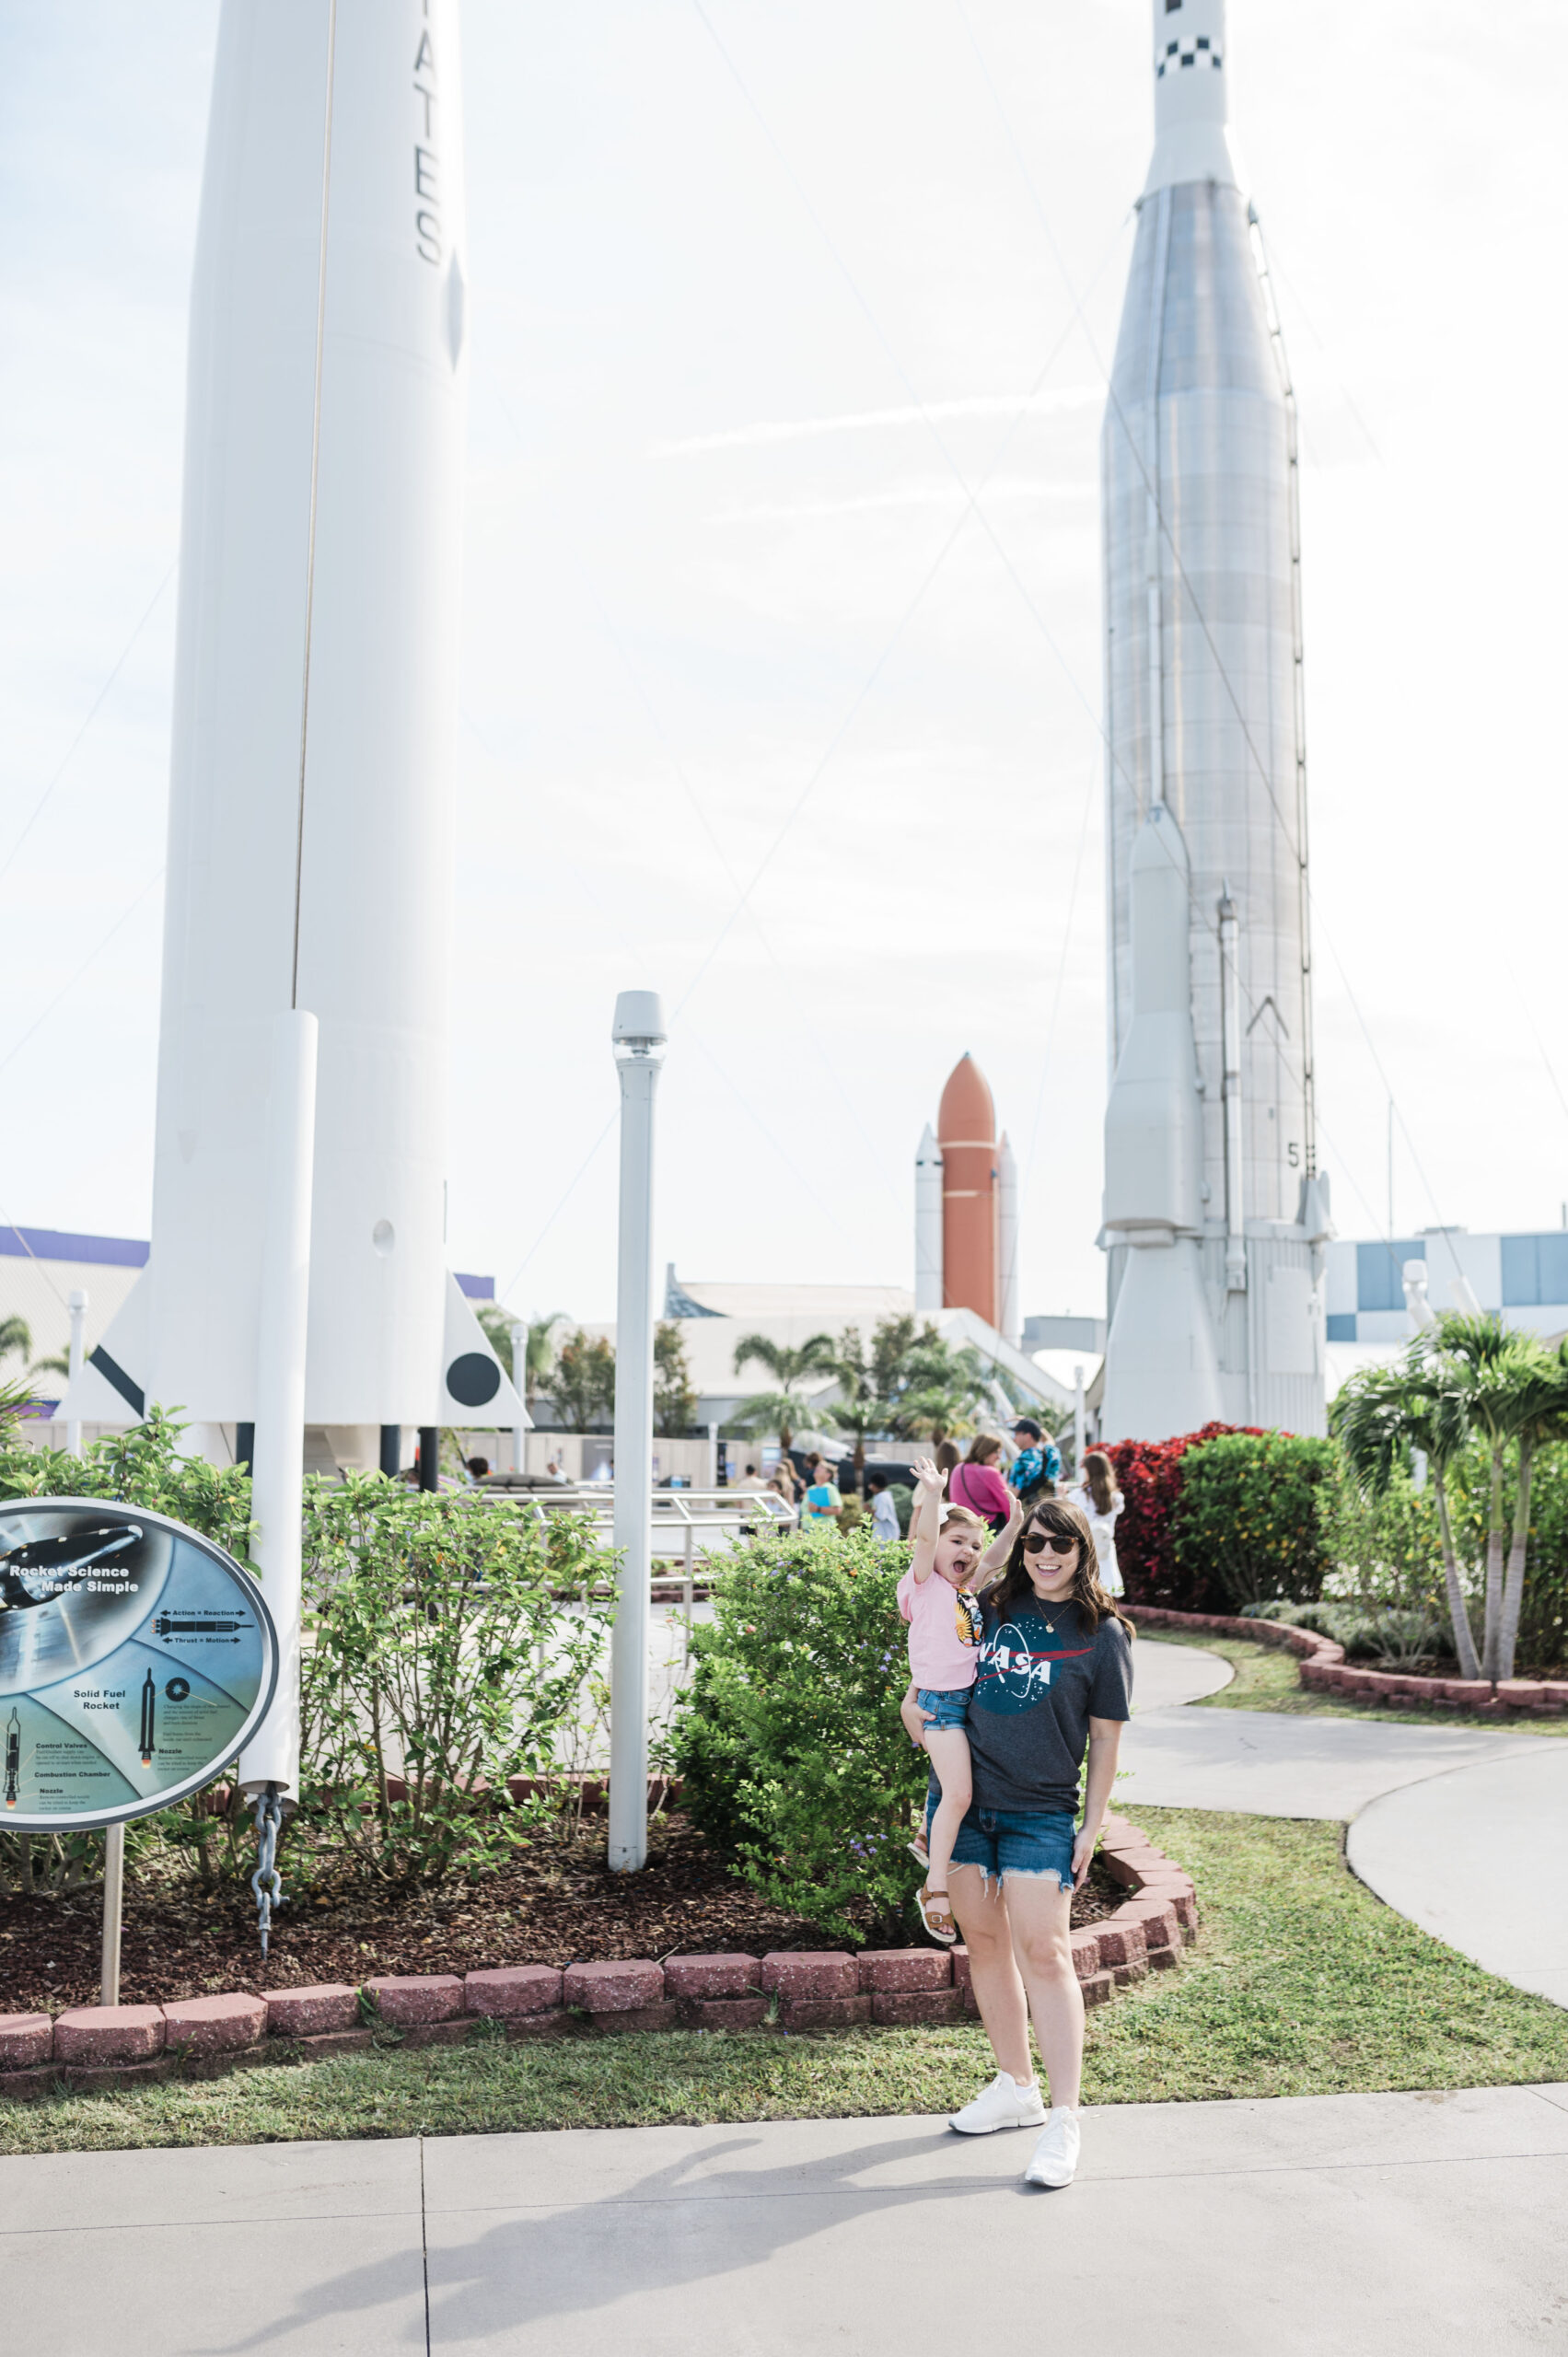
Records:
x=136, y=1658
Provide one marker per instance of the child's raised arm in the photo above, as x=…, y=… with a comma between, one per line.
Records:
x=1001, y=1546
x=925, y=1520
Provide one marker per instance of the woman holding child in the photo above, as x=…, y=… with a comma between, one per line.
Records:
x=1048, y=1680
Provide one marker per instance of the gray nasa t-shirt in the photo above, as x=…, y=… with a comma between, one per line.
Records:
x=1041, y=1679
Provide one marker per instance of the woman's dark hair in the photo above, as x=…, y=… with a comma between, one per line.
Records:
x=1100, y=1479
x=983, y=1450
x=947, y=1456
x=1013, y=1586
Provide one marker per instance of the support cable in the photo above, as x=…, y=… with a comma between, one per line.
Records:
x=93, y=712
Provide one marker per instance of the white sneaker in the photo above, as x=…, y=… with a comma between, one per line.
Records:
x=1056, y=2155
x=1003, y=2103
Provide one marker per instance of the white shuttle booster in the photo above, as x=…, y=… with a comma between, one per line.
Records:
x=314, y=722
x=928, y=1294
x=1216, y=1215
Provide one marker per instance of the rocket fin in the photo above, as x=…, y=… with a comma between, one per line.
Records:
x=475, y=1387
x=111, y=1387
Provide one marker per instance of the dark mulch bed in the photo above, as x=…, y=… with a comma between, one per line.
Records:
x=555, y=1906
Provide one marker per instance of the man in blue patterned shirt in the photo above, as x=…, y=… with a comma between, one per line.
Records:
x=1037, y=1466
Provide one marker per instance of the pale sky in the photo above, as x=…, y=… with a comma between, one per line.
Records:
x=754, y=713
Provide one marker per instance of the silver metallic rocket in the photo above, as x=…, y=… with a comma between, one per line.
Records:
x=319, y=579
x=1216, y=1215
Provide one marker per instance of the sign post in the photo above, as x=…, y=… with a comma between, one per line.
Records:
x=114, y=1909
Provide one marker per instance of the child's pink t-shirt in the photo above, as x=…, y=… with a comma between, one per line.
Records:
x=943, y=1632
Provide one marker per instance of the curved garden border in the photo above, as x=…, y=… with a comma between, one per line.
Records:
x=96, y=2047
x=1321, y=1664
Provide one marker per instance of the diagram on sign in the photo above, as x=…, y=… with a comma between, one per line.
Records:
x=135, y=1658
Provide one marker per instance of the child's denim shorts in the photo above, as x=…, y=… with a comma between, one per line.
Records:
x=948, y=1706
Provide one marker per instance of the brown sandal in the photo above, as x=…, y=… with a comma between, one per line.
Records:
x=936, y=1922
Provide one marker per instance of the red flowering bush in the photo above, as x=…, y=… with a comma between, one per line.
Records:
x=1149, y=1475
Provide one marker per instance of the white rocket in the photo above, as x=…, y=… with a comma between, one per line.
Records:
x=336, y=631
x=1216, y=1215
x=928, y=1293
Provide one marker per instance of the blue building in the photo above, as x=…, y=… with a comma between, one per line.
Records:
x=1525, y=1276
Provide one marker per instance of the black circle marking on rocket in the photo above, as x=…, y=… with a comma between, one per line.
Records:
x=474, y=1379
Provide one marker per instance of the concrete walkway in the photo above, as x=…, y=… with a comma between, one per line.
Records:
x=1479, y=1858
x=1166, y=1675
x=1269, y=1763
x=1394, y=2225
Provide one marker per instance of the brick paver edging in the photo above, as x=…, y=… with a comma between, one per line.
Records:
x=1322, y=1665
x=123, y=2046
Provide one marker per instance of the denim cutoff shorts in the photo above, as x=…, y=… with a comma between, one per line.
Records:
x=1029, y=1844
x=948, y=1706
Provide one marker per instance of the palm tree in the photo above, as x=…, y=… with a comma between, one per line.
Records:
x=862, y=1405
x=1505, y=1380
x=789, y=1363
x=16, y=1338
x=775, y=1411
x=539, y=1355
x=940, y=1390
x=1383, y=1413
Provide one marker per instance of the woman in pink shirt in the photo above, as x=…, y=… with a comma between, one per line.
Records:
x=976, y=1484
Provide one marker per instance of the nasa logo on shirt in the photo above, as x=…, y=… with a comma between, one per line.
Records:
x=1012, y=1676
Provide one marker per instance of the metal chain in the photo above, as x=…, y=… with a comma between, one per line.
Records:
x=267, y=1882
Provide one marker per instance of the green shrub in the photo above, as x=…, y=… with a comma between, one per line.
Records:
x=1385, y=1549
x=1368, y=1632
x=1251, y=1515
x=1543, y=1623
x=449, y=1644
x=1150, y=1476
x=788, y=1739
x=141, y=1467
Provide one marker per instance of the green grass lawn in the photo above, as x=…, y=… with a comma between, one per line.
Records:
x=1265, y=1680
x=1301, y=1983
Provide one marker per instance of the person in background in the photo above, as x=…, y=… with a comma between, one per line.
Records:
x=976, y=1484
x=552, y=1471
x=824, y=1500
x=884, y=1511
x=1096, y=1495
x=477, y=1469
x=1036, y=1468
x=749, y=1480
x=948, y=1458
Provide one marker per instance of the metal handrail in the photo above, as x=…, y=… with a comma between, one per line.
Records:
x=674, y=1511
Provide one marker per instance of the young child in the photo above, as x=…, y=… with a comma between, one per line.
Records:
x=934, y=1598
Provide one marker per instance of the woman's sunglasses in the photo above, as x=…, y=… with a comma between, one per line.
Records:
x=1061, y=1542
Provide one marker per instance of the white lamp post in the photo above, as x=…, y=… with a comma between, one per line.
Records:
x=272, y=1756
x=520, y=1386
x=639, y=1037
x=76, y=1302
